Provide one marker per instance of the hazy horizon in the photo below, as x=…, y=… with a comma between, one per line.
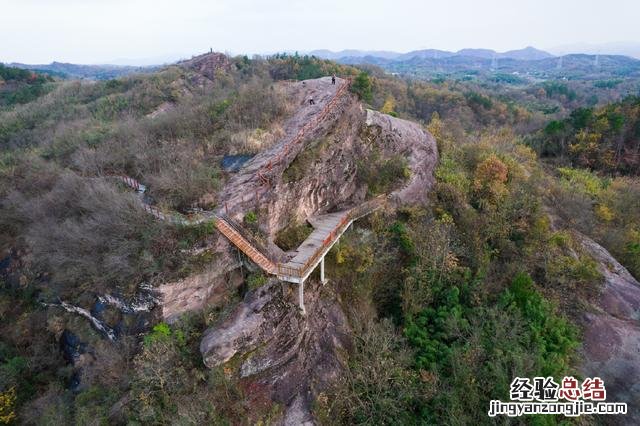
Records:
x=144, y=31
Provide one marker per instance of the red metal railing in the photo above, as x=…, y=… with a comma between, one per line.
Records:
x=262, y=174
x=346, y=220
x=130, y=182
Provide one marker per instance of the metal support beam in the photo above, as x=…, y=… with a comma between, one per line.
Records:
x=322, y=280
x=301, y=297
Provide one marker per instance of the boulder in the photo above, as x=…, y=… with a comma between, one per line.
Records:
x=612, y=333
x=290, y=355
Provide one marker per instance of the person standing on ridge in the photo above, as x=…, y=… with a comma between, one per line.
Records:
x=333, y=79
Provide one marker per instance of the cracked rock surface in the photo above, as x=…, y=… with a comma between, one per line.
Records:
x=290, y=355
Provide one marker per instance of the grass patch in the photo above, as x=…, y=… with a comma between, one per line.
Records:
x=293, y=235
x=383, y=175
x=256, y=280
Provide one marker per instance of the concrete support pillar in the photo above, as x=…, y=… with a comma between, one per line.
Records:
x=301, y=297
x=322, y=278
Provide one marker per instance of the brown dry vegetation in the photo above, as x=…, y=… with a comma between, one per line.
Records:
x=447, y=301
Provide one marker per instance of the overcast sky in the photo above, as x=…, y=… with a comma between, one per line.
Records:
x=101, y=31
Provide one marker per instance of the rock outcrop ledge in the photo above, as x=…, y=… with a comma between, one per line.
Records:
x=288, y=355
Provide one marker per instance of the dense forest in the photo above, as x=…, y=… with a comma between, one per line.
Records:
x=19, y=86
x=605, y=138
x=447, y=301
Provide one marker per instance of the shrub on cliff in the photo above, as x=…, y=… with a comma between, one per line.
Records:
x=88, y=235
x=361, y=86
x=377, y=386
x=290, y=237
x=383, y=175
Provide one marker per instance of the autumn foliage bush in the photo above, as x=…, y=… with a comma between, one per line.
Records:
x=598, y=138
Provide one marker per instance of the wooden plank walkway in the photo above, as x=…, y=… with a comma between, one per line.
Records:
x=323, y=226
x=327, y=230
x=247, y=248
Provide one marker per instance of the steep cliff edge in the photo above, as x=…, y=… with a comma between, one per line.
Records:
x=279, y=351
x=267, y=342
x=415, y=144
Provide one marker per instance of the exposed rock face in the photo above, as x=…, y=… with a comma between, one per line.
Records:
x=254, y=321
x=75, y=353
x=398, y=136
x=290, y=355
x=209, y=287
x=245, y=192
x=612, y=333
x=328, y=181
x=207, y=64
x=162, y=109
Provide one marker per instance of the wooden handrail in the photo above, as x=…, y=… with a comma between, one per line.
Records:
x=346, y=220
x=245, y=246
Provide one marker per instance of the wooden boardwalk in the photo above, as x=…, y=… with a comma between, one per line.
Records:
x=323, y=226
x=245, y=246
x=328, y=228
x=265, y=167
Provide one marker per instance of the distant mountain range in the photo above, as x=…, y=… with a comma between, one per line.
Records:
x=526, y=54
x=528, y=61
x=626, y=48
x=427, y=63
x=99, y=72
x=353, y=53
